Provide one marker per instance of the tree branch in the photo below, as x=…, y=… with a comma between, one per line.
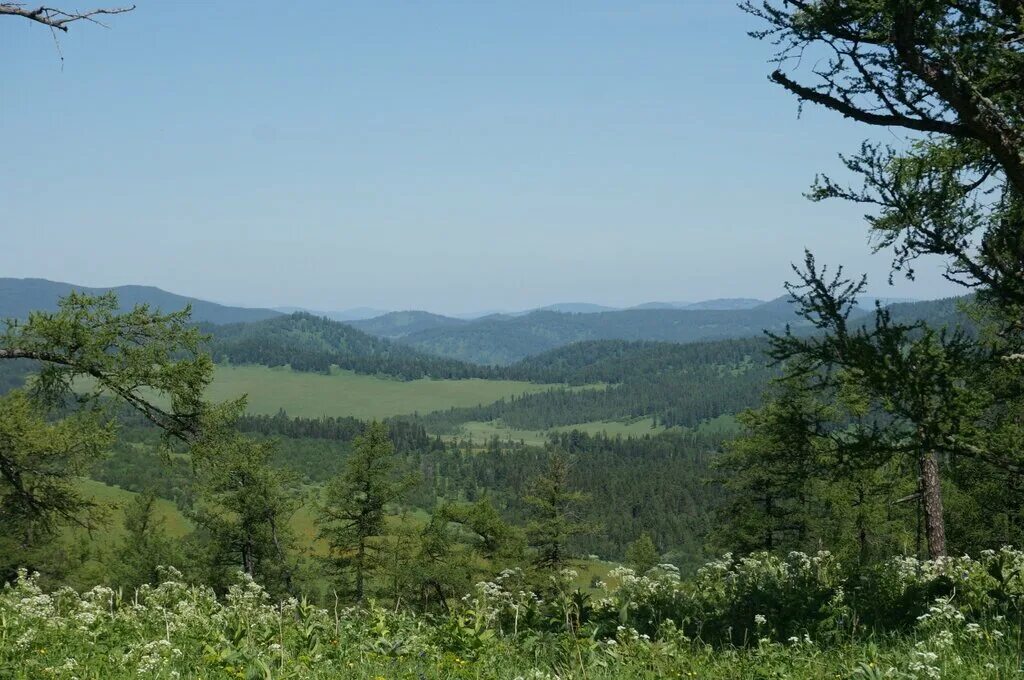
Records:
x=851, y=111
x=58, y=18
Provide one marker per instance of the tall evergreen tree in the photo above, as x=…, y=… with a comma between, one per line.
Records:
x=554, y=516
x=87, y=355
x=642, y=555
x=146, y=545
x=949, y=75
x=353, y=511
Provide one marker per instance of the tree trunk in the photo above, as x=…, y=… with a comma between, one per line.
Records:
x=931, y=501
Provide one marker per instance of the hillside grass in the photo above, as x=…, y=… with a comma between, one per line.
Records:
x=344, y=393
x=115, y=499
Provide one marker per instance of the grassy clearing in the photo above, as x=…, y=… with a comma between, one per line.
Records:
x=480, y=432
x=344, y=393
x=116, y=499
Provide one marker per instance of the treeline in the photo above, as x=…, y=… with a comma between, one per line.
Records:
x=656, y=484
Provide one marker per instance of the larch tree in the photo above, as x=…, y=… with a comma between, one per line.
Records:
x=89, y=356
x=352, y=515
x=950, y=76
x=554, y=516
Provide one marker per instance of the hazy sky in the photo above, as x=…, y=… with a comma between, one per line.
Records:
x=452, y=156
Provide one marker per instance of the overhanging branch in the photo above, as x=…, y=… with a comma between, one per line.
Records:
x=58, y=18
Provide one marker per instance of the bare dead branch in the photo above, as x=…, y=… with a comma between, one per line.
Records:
x=57, y=18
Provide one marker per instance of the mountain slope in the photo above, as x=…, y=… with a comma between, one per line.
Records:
x=18, y=297
x=311, y=343
x=400, y=324
x=506, y=340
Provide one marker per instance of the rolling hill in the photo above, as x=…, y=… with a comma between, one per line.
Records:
x=18, y=297
x=312, y=343
x=505, y=340
x=401, y=324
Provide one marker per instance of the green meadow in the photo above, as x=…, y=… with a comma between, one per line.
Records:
x=344, y=393
x=480, y=432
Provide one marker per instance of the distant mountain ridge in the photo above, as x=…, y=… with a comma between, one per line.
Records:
x=344, y=315
x=18, y=297
x=400, y=324
x=504, y=339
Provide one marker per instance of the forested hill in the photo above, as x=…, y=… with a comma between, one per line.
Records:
x=505, y=340
x=400, y=324
x=312, y=343
x=618, y=361
x=18, y=297
x=676, y=385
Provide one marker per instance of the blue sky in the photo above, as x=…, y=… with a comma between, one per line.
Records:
x=451, y=156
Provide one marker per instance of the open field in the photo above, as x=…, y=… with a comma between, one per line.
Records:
x=344, y=393
x=480, y=432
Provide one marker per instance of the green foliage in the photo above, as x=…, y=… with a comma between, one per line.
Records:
x=788, y=619
x=146, y=546
x=554, y=517
x=243, y=513
x=40, y=463
x=642, y=555
x=354, y=503
x=127, y=355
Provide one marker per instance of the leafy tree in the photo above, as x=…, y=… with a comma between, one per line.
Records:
x=494, y=538
x=554, y=517
x=152, y=361
x=915, y=386
x=800, y=478
x=352, y=514
x=950, y=74
x=641, y=555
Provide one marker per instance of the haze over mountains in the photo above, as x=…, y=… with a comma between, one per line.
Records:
x=412, y=340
